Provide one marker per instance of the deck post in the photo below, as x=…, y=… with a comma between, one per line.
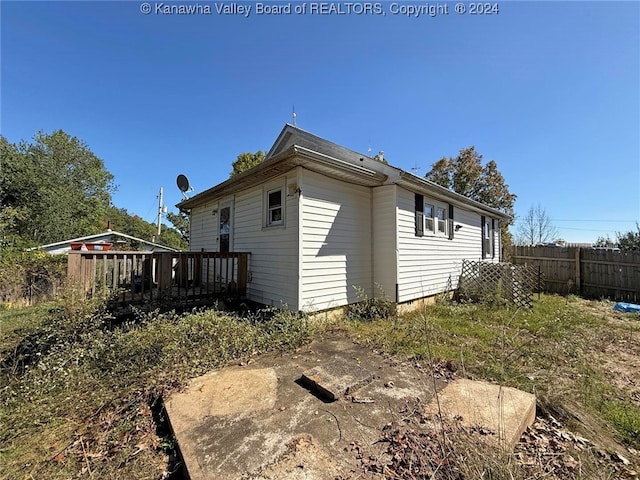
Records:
x=242, y=274
x=74, y=273
x=164, y=272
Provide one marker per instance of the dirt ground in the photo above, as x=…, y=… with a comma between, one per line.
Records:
x=619, y=355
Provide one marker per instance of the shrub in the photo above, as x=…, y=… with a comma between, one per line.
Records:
x=370, y=308
x=28, y=277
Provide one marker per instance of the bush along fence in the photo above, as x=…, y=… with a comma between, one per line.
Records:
x=29, y=277
x=587, y=272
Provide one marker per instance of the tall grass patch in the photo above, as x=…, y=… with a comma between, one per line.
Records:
x=77, y=392
x=553, y=350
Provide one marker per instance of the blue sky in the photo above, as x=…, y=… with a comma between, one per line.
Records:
x=549, y=90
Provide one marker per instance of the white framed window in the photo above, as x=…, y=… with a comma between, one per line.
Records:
x=433, y=218
x=441, y=219
x=428, y=218
x=275, y=208
x=487, y=237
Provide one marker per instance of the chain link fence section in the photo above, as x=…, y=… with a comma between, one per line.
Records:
x=499, y=282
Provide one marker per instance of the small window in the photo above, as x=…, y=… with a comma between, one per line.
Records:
x=487, y=235
x=274, y=207
x=442, y=220
x=428, y=218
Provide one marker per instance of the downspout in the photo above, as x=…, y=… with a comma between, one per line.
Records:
x=299, y=181
x=372, y=245
x=395, y=227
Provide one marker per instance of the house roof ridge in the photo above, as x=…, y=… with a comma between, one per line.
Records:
x=286, y=145
x=324, y=140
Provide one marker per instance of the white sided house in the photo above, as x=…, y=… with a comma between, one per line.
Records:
x=322, y=222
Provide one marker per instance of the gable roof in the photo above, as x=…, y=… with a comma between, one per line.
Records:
x=108, y=233
x=296, y=147
x=292, y=135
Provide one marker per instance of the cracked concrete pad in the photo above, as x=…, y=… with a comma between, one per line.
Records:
x=303, y=460
x=335, y=378
x=261, y=422
x=504, y=410
x=225, y=392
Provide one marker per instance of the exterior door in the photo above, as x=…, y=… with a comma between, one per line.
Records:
x=224, y=228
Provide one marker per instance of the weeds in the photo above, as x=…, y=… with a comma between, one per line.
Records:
x=552, y=350
x=29, y=276
x=370, y=308
x=76, y=394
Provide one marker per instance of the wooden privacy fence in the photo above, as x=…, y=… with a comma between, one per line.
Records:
x=588, y=272
x=169, y=276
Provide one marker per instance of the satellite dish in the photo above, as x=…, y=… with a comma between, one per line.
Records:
x=183, y=185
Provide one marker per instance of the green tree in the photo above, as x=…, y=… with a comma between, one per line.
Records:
x=122, y=221
x=181, y=223
x=441, y=173
x=53, y=188
x=629, y=240
x=465, y=175
x=245, y=161
x=605, y=242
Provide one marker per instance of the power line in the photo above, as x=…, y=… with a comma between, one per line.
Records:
x=522, y=218
x=584, y=229
x=588, y=220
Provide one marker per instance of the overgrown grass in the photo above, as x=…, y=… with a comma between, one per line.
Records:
x=77, y=392
x=554, y=350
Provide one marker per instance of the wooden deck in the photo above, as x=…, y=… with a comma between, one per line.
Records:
x=137, y=277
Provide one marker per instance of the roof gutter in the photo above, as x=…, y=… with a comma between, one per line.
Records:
x=281, y=163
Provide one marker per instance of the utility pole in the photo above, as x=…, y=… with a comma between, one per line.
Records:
x=159, y=212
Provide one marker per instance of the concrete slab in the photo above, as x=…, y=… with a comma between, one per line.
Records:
x=504, y=410
x=223, y=392
x=336, y=378
x=259, y=422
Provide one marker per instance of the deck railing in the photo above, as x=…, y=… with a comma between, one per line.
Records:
x=168, y=276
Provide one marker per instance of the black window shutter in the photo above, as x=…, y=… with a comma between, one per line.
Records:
x=483, y=222
x=419, y=215
x=450, y=222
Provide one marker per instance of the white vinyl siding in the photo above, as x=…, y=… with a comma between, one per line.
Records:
x=273, y=264
x=336, y=235
x=384, y=241
x=431, y=264
x=336, y=242
x=203, y=228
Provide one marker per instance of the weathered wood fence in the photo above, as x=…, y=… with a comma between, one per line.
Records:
x=168, y=276
x=585, y=271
